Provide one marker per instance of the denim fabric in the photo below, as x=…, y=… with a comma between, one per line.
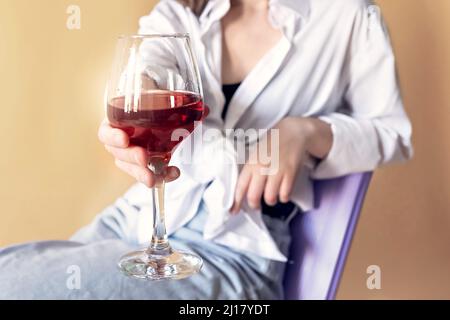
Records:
x=50, y=269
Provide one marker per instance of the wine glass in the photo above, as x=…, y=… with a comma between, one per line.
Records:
x=155, y=91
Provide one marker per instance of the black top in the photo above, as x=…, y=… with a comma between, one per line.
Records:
x=280, y=210
x=228, y=90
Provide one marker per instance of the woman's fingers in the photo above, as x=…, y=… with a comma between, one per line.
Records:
x=145, y=175
x=133, y=154
x=113, y=137
x=206, y=112
x=255, y=190
x=131, y=159
x=286, y=187
x=173, y=173
x=272, y=189
x=241, y=190
x=253, y=185
x=141, y=174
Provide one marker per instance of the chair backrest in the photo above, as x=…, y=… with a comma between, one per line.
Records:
x=322, y=237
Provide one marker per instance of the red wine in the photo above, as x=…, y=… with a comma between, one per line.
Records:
x=151, y=121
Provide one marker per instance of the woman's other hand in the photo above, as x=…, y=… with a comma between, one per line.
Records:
x=298, y=137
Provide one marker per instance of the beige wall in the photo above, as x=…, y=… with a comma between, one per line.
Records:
x=405, y=225
x=55, y=175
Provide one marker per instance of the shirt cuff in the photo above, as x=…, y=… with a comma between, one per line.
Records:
x=354, y=149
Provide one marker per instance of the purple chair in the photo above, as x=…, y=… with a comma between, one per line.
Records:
x=321, y=238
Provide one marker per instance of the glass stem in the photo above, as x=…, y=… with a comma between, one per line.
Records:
x=159, y=244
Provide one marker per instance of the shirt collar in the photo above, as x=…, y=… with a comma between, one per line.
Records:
x=285, y=13
x=302, y=7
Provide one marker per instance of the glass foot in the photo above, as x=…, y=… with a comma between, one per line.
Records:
x=144, y=265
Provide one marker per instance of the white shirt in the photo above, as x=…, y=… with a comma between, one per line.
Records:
x=334, y=62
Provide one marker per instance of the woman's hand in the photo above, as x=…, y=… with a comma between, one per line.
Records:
x=131, y=159
x=298, y=138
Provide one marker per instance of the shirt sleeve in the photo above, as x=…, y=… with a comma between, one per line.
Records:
x=372, y=128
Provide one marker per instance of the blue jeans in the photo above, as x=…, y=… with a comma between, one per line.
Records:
x=85, y=266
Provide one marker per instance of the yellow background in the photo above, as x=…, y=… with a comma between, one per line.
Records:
x=55, y=176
